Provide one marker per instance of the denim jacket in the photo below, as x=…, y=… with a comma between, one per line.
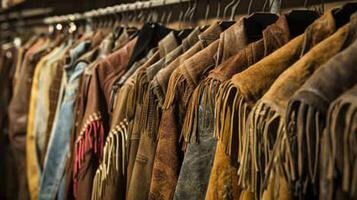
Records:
x=52, y=181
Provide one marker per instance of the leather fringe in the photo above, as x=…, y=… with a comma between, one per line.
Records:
x=268, y=148
x=304, y=129
x=202, y=94
x=91, y=138
x=114, y=160
x=231, y=115
x=342, y=154
x=177, y=80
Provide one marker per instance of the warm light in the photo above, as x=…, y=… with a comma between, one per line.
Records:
x=59, y=27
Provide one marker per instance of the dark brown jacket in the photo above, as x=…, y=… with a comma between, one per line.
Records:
x=339, y=180
x=90, y=138
x=18, y=110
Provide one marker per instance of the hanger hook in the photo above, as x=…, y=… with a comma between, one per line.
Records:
x=275, y=6
x=208, y=8
x=306, y=4
x=227, y=7
x=218, y=9
x=234, y=9
x=135, y=12
x=169, y=17
x=265, y=5
x=250, y=6
x=181, y=15
x=141, y=13
x=187, y=12
x=162, y=20
x=193, y=10
x=322, y=6
x=149, y=17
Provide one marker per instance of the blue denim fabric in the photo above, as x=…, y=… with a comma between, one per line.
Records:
x=42, y=111
x=196, y=167
x=52, y=181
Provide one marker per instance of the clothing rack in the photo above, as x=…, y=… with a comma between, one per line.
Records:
x=150, y=4
x=121, y=8
x=17, y=19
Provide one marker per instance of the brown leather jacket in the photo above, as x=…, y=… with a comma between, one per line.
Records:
x=315, y=96
x=338, y=178
x=182, y=82
x=18, y=110
x=90, y=137
x=238, y=96
x=273, y=37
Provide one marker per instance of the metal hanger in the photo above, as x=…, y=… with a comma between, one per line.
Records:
x=208, y=8
x=234, y=9
x=193, y=10
x=169, y=17
x=130, y=13
x=162, y=20
x=125, y=14
x=181, y=15
x=228, y=6
x=117, y=16
x=133, y=12
x=275, y=6
x=102, y=18
x=99, y=19
x=141, y=13
x=250, y=6
x=265, y=5
x=108, y=17
x=137, y=11
x=321, y=8
x=155, y=15
x=187, y=12
x=111, y=16
x=218, y=9
x=148, y=11
x=323, y=5
x=95, y=20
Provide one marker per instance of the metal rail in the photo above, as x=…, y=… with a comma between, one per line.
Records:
x=121, y=8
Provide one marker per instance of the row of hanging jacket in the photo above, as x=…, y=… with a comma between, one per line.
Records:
x=261, y=108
